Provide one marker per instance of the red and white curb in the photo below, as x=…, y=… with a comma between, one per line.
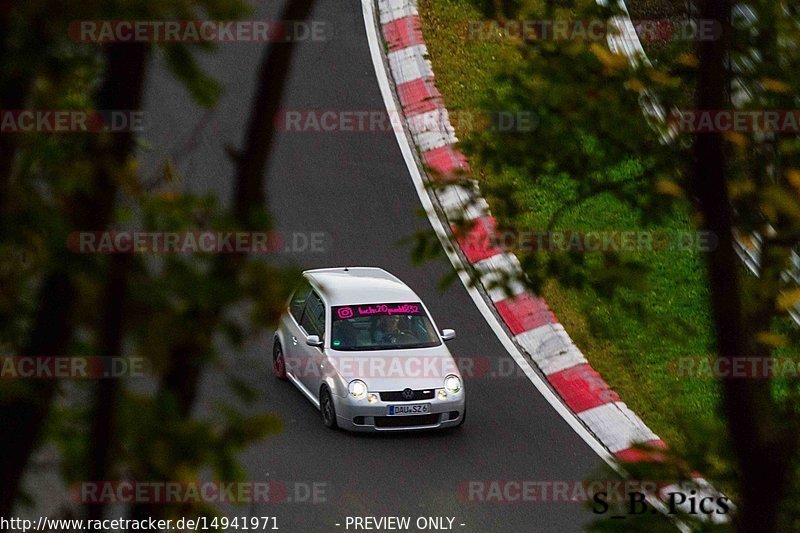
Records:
x=527, y=316
x=532, y=326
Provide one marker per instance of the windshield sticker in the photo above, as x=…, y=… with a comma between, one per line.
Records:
x=346, y=312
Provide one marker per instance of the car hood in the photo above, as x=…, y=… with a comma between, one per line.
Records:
x=395, y=370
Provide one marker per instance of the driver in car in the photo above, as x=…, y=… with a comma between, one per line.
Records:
x=392, y=329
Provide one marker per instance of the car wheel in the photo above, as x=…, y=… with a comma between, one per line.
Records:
x=327, y=408
x=278, y=361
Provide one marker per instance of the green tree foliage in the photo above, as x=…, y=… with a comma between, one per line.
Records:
x=595, y=138
x=178, y=312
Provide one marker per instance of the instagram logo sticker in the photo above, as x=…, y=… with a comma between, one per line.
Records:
x=345, y=312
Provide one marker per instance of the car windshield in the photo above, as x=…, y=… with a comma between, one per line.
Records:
x=382, y=327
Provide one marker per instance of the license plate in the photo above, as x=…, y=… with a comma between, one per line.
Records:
x=413, y=409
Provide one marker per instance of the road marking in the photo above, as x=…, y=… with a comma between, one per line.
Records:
x=375, y=48
x=407, y=149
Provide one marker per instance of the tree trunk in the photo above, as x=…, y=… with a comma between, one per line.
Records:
x=261, y=129
x=182, y=377
x=102, y=443
x=125, y=70
x=761, y=457
x=23, y=416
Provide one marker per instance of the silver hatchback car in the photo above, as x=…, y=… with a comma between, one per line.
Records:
x=361, y=346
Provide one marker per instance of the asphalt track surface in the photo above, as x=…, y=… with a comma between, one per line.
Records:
x=355, y=188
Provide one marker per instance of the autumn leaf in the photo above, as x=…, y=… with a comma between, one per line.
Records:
x=775, y=86
x=635, y=84
x=787, y=299
x=774, y=340
x=740, y=188
x=610, y=60
x=736, y=138
x=662, y=78
x=687, y=59
x=669, y=188
x=793, y=177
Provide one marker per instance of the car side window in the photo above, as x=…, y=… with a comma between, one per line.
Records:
x=298, y=301
x=313, y=320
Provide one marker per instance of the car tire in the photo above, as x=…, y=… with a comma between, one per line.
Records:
x=278, y=361
x=327, y=408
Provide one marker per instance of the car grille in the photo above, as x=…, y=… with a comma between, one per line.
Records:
x=406, y=421
x=397, y=396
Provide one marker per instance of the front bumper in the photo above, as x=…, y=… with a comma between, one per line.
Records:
x=360, y=415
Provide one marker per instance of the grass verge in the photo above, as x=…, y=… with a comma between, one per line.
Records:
x=633, y=338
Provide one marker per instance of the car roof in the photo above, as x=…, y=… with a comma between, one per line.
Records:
x=359, y=285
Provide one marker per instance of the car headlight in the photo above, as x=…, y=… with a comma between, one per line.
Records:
x=452, y=383
x=358, y=389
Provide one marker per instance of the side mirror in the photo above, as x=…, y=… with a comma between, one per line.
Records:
x=314, y=340
x=448, y=334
